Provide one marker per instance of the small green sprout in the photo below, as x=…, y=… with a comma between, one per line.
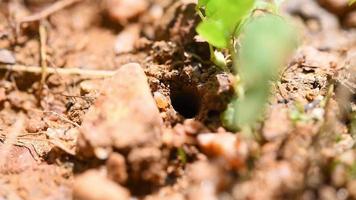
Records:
x=182, y=156
x=352, y=171
x=258, y=46
x=352, y=125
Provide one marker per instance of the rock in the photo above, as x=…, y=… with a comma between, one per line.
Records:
x=124, y=10
x=7, y=57
x=125, y=41
x=225, y=82
x=123, y=116
x=93, y=186
x=116, y=168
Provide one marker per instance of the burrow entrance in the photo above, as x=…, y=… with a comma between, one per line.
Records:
x=185, y=100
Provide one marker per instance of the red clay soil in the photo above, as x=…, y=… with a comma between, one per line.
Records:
x=150, y=129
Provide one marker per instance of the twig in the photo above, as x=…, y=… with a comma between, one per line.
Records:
x=48, y=11
x=59, y=144
x=61, y=71
x=326, y=128
x=65, y=119
x=43, y=54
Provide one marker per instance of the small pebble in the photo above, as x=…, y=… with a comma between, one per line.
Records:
x=161, y=100
x=7, y=57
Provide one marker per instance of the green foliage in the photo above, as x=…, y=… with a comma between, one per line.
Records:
x=264, y=43
x=221, y=19
x=182, y=156
x=352, y=125
x=352, y=171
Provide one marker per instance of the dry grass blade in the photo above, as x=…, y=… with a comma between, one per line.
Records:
x=59, y=5
x=43, y=53
x=60, y=71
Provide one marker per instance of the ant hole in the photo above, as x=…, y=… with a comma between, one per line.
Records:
x=186, y=101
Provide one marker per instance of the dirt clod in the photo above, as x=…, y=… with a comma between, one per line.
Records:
x=153, y=130
x=116, y=168
x=226, y=145
x=118, y=118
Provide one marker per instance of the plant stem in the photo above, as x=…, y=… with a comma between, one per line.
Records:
x=197, y=9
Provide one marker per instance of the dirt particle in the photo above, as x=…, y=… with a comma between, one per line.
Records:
x=93, y=186
x=7, y=57
x=161, y=100
x=124, y=10
x=351, y=187
x=116, y=168
x=227, y=145
x=273, y=128
x=125, y=41
x=18, y=159
x=327, y=193
x=204, y=181
x=89, y=87
x=338, y=7
x=2, y=94
x=34, y=126
x=145, y=164
x=350, y=20
x=339, y=175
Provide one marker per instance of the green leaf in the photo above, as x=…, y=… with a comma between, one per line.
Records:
x=222, y=16
x=278, y=3
x=266, y=43
x=213, y=32
x=202, y=3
